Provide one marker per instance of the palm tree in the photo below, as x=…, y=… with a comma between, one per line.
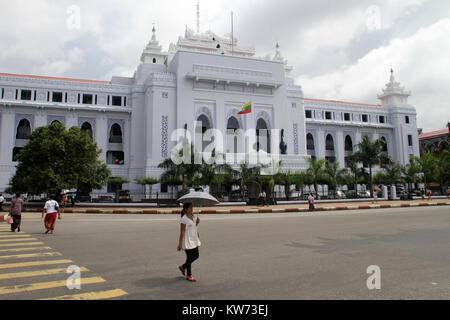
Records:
x=316, y=173
x=370, y=154
x=286, y=179
x=116, y=185
x=443, y=170
x=427, y=165
x=335, y=176
x=411, y=173
x=248, y=176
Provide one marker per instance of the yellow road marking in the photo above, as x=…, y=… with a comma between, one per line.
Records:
x=35, y=273
x=21, y=244
x=17, y=239
x=46, y=285
x=15, y=235
x=24, y=249
x=32, y=255
x=32, y=264
x=92, y=295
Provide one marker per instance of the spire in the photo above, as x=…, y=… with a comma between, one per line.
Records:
x=392, y=76
x=154, y=33
x=394, y=94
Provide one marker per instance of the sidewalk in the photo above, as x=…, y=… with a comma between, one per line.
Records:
x=256, y=209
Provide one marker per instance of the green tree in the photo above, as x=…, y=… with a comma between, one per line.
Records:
x=427, y=165
x=286, y=179
x=370, y=154
x=411, y=173
x=443, y=170
x=316, y=172
x=144, y=182
x=335, y=177
x=249, y=176
x=56, y=159
x=116, y=185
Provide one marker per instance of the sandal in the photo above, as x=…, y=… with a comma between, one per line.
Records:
x=191, y=278
x=183, y=271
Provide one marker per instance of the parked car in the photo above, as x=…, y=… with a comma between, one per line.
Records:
x=124, y=196
x=364, y=194
x=340, y=194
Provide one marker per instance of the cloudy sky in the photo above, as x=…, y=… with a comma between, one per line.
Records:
x=341, y=50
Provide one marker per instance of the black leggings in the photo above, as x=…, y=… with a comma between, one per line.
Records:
x=17, y=221
x=192, y=255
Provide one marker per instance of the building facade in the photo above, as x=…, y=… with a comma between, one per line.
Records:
x=200, y=83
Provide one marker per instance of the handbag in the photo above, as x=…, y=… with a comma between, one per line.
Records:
x=9, y=220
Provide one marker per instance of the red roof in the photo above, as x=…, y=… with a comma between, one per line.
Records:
x=52, y=78
x=434, y=134
x=343, y=102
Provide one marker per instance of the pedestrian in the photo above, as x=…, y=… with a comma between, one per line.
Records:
x=429, y=195
x=15, y=212
x=64, y=199
x=311, y=202
x=73, y=199
x=51, y=209
x=2, y=200
x=189, y=240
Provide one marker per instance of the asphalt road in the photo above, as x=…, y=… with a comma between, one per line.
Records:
x=292, y=256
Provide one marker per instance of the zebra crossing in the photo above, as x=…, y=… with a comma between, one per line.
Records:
x=31, y=270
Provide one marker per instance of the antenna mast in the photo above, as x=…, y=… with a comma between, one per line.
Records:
x=198, y=16
x=232, y=33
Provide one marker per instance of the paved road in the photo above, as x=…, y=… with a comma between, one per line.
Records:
x=289, y=256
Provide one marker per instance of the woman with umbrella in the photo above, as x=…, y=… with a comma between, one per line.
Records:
x=189, y=240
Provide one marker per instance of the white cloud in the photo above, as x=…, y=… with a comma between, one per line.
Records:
x=421, y=64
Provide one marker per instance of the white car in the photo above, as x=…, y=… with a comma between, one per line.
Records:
x=340, y=194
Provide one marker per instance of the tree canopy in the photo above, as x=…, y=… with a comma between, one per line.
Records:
x=57, y=159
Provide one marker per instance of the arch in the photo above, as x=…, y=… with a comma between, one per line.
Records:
x=115, y=134
x=23, y=130
x=262, y=135
x=87, y=127
x=310, y=142
x=203, y=124
x=234, y=135
x=329, y=143
x=385, y=146
x=348, y=144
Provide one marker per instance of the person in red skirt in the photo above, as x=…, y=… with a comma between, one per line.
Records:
x=51, y=210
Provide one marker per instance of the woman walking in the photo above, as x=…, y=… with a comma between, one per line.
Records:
x=189, y=240
x=51, y=208
x=16, y=213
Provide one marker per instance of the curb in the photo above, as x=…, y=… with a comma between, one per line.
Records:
x=259, y=211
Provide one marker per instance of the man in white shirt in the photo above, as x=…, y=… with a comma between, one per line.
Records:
x=51, y=209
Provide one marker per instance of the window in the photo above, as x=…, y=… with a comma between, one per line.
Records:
x=329, y=143
x=381, y=119
x=164, y=188
x=365, y=118
x=125, y=101
x=65, y=98
x=115, y=157
x=96, y=99
x=25, y=95
x=57, y=97
x=310, y=142
x=35, y=95
x=48, y=96
x=115, y=135
x=16, y=152
x=410, y=140
x=294, y=105
x=87, y=98
x=347, y=116
x=406, y=119
x=328, y=115
x=87, y=128
x=385, y=147
x=79, y=98
x=348, y=144
x=308, y=114
x=154, y=60
x=116, y=101
x=23, y=130
x=109, y=99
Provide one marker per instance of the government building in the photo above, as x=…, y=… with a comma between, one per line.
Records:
x=201, y=79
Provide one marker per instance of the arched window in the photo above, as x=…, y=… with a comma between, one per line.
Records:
x=262, y=136
x=348, y=144
x=329, y=143
x=24, y=130
x=310, y=142
x=201, y=128
x=385, y=148
x=115, y=135
x=232, y=127
x=87, y=128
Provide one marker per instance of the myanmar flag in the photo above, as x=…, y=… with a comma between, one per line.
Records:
x=246, y=109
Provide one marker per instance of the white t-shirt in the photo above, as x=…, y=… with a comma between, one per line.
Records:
x=2, y=199
x=191, y=239
x=51, y=206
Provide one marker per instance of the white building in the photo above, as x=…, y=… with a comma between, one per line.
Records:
x=207, y=78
